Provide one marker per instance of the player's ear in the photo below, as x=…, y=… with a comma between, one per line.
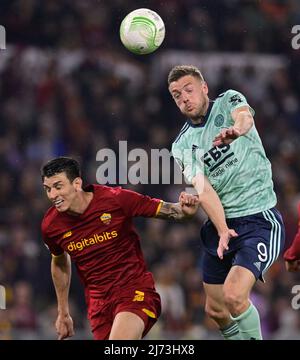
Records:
x=205, y=87
x=77, y=183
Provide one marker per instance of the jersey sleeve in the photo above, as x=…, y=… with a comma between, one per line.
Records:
x=190, y=161
x=234, y=100
x=293, y=252
x=50, y=244
x=136, y=204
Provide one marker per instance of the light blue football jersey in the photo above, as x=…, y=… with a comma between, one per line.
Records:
x=240, y=172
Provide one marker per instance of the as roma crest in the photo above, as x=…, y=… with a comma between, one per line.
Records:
x=105, y=218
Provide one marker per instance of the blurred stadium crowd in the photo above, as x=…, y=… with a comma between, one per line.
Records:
x=67, y=87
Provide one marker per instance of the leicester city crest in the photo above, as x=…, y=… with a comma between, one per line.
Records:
x=219, y=120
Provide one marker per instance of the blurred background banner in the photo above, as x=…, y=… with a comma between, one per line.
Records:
x=69, y=87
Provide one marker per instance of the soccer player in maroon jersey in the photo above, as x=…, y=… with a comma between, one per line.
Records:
x=93, y=227
x=292, y=254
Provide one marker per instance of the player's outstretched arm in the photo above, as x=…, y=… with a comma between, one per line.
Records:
x=211, y=204
x=61, y=276
x=186, y=208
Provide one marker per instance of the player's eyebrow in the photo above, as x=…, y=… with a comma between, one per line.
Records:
x=57, y=183
x=175, y=92
x=187, y=84
x=54, y=184
x=179, y=90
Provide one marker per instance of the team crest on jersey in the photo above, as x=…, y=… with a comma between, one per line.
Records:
x=219, y=120
x=67, y=234
x=105, y=218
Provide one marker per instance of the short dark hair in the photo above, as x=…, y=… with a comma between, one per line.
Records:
x=61, y=164
x=182, y=70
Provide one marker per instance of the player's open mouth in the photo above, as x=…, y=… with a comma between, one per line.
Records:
x=57, y=203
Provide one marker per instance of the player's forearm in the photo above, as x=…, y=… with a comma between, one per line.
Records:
x=172, y=211
x=210, y=202
x=243, y=122
x=61, y=275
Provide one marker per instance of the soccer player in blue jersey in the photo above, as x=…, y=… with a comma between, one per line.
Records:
x=233, y=169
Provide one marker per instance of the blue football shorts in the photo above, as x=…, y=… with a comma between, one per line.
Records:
x=260, y=240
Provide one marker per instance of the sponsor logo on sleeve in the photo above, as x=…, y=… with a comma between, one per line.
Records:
x=235, y=99
x=139, y=296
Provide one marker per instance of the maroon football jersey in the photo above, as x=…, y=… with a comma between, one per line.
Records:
x=102, y=241
x=293, y=252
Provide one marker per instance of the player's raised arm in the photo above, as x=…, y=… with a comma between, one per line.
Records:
x=243, y=121
x=211, y=204
x=186, y=208
x=61, y=275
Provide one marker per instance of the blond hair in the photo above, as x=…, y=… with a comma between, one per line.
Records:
x=183, y=70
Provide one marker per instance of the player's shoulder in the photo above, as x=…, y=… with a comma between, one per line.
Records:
x=109, y=194
x=227, y=94
x=104, y=191
x=50, y=218
x=117, y=197
x=181, y=135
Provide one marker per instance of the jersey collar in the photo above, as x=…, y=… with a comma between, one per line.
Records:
x=205, y=117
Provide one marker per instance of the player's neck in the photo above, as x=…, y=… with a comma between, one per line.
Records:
x=81, y=203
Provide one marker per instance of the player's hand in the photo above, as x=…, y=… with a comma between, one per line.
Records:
x=226, y=136
x=189, y=203
x=224, y=240
x=64, y=326
x=292, y=266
